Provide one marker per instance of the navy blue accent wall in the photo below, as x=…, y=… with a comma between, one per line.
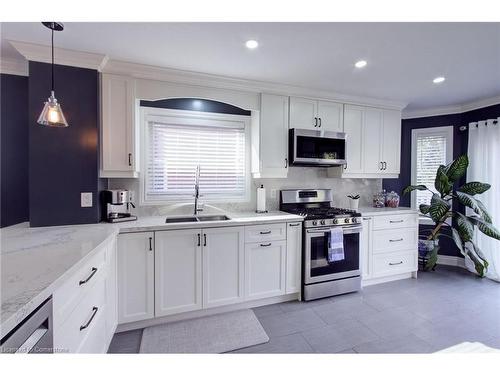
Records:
x=193, y=104
x=460, y=144
x=63, y=162
x=14, y=149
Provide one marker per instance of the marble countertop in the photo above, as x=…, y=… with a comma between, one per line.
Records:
x=385, y=210
x=35, y=261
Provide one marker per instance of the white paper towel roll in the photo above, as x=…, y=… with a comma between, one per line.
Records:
x=261, y=199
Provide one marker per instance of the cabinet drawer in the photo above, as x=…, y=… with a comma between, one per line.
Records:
x=265, y=232
x=395, y=221
x=394, y=263
x=70, y=293
x=386, y=241
x=83, y=322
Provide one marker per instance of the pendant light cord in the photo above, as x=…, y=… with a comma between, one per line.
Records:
x=52, y=59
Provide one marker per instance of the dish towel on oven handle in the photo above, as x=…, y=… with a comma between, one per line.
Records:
x=336, y=245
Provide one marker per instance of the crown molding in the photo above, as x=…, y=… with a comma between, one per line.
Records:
x=14, y=66
x=42, y=53
x=452, y=109
x=156, y=73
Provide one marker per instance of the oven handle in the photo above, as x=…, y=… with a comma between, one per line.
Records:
x=347, y=229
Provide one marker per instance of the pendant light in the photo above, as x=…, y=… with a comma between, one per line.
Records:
x=52, y=114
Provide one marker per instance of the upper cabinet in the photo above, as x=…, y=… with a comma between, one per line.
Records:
x=119, y=139
x=270, y=138
x=373, y=143
x=316, y=114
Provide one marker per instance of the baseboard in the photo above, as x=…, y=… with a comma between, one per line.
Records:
x=449, y=260
x=386, y=279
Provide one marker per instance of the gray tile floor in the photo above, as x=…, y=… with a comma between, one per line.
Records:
x=438, y=310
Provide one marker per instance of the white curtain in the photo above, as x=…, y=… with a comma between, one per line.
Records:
x=484, y=156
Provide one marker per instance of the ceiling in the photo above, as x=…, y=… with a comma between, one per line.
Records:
x=403, y=58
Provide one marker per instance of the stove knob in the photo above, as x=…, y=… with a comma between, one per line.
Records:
x=346, y=221
x=315, y=222
x=322, y=222
x=335, y=221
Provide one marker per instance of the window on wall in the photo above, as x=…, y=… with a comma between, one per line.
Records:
x=431, y=147
x=175, y=142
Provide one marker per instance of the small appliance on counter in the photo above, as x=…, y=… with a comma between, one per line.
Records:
x=116, y=205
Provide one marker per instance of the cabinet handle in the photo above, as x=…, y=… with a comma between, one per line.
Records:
x=204, y=239
x=381, y=165
x=94, y=311
x=294, y=225
x=199, y=239
x=315, y=122
x=395, y=264
x=265, y=244
x=319, y=122
x=384, y=165
x=367, y=218
x=94, y=270
x=345, y=166
x=286, y=162
x=129, y=159
x=266, y=232
x=395, y=221
x=150, y=243
x=398, y=240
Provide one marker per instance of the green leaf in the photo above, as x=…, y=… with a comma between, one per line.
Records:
x=424, y=208
x=465, y=227
x=433, y=258
x=485, y=215
x=457, y=168
x=441, y=183
x=438, y=209
x=410, y=188
x=486, y=228
x=480, y=264
x=458, y=240
x=477, y=206
x=474, y=187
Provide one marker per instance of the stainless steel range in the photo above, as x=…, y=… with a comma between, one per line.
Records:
x=322, y=276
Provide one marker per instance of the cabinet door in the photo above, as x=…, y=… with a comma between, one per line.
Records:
x=293, y=257
x=265, y=269
x=177, y=271
x=223, y=266
x=391, y=142
x=135, y=277
x=366, y=248
x=273, y=136
x=372, y=137
x=353, y=127
x=111, y=291
x=303, y=113
x=118, y=131
x=331, y=116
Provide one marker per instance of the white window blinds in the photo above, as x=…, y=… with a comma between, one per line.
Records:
x=430, y=154
x=175, y=148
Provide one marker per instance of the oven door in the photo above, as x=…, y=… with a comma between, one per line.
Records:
x=317, y=147
x=316, y=266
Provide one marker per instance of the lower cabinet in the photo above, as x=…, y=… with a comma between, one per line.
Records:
x=136, y=261
x=178, y=266
x=365, y=247
x=265, y=269
x=293, y=257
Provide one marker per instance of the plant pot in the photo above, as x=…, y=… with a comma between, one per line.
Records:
x=354, y=204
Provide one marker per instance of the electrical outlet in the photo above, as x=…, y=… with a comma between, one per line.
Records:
x=273, y=193
x=86, y=199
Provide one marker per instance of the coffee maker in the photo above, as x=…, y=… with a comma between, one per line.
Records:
x=116, y=205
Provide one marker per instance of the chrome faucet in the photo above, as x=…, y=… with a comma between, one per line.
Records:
x=197, y=190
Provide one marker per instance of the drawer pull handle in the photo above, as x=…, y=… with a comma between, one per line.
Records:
x=395, y=264
x=266, y=232
x=129, y=160
x=199, y=239
x=94, y=270
x=204, y=239
x=395, y=221
x=294, y=225
x=265, y=244
x=399, y=239
x=367, y=218
x=94, y=311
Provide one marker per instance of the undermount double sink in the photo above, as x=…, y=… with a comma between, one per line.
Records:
x=194, y=219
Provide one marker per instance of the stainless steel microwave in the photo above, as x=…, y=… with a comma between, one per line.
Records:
x=316, y=148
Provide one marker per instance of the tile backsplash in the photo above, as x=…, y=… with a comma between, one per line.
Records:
x=298, y=178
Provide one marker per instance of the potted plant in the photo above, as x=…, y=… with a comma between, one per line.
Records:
x=462, y=227
x=353, y=201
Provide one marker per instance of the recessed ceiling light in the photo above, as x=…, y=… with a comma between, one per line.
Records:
x=438, y=80
x=360, y=64
x=251, y=44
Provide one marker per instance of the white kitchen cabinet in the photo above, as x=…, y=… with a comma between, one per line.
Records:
x=316, y=115
x=365, y=248
x=178, y=271
x=119, y=138
x=223, y=265
x=371, y=140
x=293, y=257
x=391, y=142
x=135, y=276
x=265, y=269
x=111, y=290
x=353, y=127
x=270, y=138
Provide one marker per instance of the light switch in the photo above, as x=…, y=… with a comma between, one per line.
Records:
x=86, y=200
x=273, y=193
